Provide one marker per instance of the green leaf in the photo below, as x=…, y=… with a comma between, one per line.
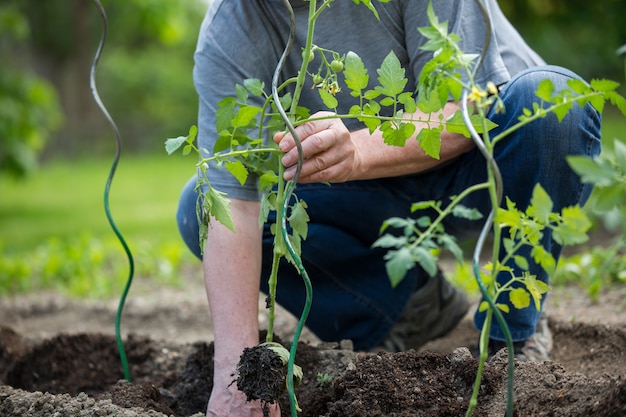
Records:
x=619, y=150
x=296, y=244
x=428, y=102
x=422, y=205
x=580, y=87
x=398, y=263
x=267, y=180
x=607, y=199
x=426, y=259
x=510, y=216
x=540, y=205
x=503, y=307
x=219, y=207
x=225, y=113
x=299, y=219
x=222, y=142
x=464, y=212
x=390, y=241
x=456, y=124
x=329, y=100
x=371, y=94
x=244, y=116
x=172, y=144
x=254, y=86
x=561, y=110
x=573, y=228
x=369, y=5
x=543, y=258
x=537, y=289
x=509, y=245
x=355, y=73
x=592, y=171
x=387, y=102
x=430, y=141
x=391, y=76
x=408, y=102
x=604, y=85
x=267, y=205
x=399, y=136
x=521, y=262
x=617, y=100
x=238, y=170
x=241, y=93
x=519, y=298
x=575, y=217
x=193, y=132
x=455, y=86
x=396, y=222
x=449, y=243
x=545, y=91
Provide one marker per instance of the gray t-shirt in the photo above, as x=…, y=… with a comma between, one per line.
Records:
x=242, y=39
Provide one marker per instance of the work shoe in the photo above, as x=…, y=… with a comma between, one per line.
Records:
x=537, y=348
x=432, y=311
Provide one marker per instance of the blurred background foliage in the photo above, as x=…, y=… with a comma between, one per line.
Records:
x=144, y=77
x=578, y=34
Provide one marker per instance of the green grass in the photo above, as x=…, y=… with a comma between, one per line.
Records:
x=64, y=200
x=54, y=233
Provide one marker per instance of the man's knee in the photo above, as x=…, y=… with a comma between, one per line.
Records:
x=187, y=219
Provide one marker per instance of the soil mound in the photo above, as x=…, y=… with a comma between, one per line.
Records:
x=81, y=375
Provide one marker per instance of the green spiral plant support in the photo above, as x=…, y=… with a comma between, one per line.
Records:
x=288, y=193
x=496, y=199
x=118, y=142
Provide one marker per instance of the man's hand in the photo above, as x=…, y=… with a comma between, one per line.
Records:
x=334, y=154
x=227, y=401
x=327, y=148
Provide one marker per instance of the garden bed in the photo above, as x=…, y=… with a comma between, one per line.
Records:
x=58, y=357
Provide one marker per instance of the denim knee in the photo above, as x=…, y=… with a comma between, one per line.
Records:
x=537, y=152
x=187, y=218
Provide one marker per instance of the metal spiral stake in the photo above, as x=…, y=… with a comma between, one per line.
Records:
x=118, y=141
x=289, y=192
x=497, y=177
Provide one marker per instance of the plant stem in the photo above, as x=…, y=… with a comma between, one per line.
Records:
x=484, y=340
x=444, y=213
x=278, y=253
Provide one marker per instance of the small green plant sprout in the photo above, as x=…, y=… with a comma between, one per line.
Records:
x=323, y=379
x=526, y=229
x=608, y=174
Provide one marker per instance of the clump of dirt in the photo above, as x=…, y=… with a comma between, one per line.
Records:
x=81, y=375
x=261, y=375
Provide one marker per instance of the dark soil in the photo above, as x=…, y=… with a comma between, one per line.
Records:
x=59, y=358
x=80, y=374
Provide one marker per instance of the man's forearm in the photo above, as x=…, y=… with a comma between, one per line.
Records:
x=232, y=265
x=379, y=160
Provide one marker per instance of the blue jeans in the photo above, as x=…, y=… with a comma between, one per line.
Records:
x=352, y=296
